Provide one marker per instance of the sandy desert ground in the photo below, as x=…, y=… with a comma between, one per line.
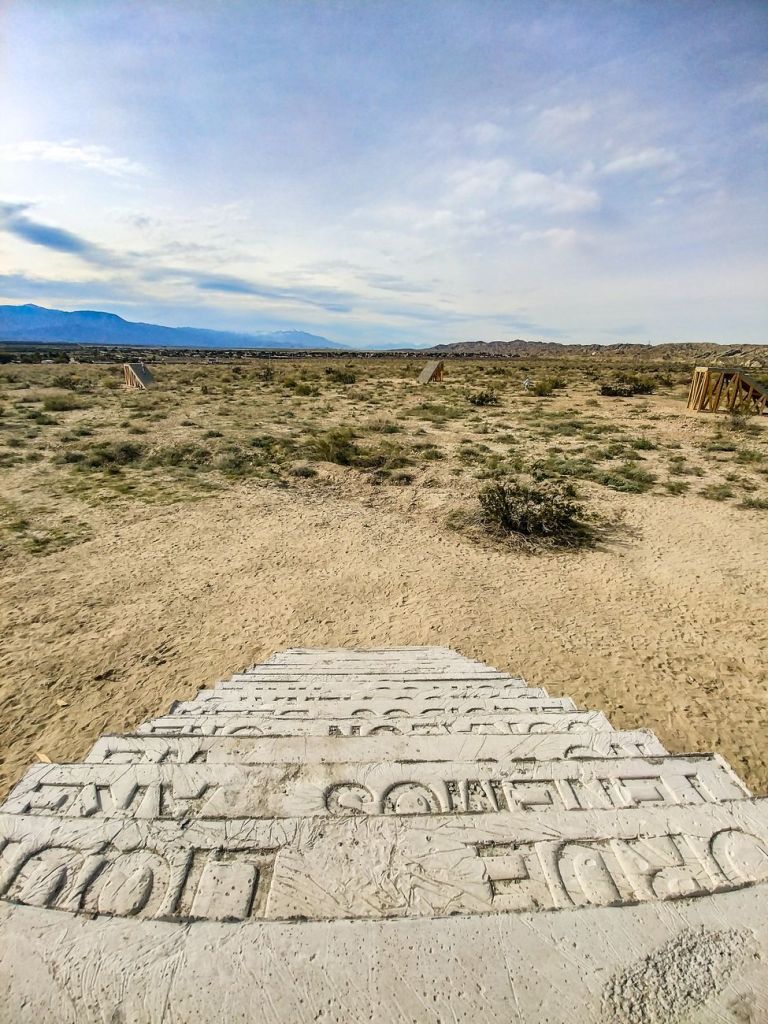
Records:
x=223, y=532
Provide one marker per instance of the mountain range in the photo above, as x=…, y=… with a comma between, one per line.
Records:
x=32, y=323
x=35, y=324
x=750, y=356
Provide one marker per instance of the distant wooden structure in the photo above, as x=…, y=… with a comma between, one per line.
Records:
x=137, y=375
x=432, y=372
x=715, y=387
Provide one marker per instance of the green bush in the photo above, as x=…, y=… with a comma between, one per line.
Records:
x=546, y=387
x=191, y=456
x=616, y=390
x=629, y=478
x=676, y=486
x=340, y=376
x=337, y=445
x=484, y=398
x=109, y=456
x=627, y=386
x=717, y=492
x=62, y=403
x=536, y=511
x=740, y=423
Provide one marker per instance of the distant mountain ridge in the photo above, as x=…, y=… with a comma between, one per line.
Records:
x=700, y=352
x=31, y=323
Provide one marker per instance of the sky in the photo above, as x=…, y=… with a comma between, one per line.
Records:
x=386, y=172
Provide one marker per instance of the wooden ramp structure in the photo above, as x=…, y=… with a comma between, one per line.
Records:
x=714, y=387
x=138, y=375
x=432, y=372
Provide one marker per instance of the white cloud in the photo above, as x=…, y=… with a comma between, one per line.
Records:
x=485, y=133
x=559, y=238
x=550, y=193
x=510, y=188
x=651, y=158
x=94, y=158
x=556, y=120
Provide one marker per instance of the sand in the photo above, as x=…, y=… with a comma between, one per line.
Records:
x=664, y=626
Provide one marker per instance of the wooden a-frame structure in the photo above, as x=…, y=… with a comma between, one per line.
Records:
x=432, y=372
x=137, y=375
x=714, y=387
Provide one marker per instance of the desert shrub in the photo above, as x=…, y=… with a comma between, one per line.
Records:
x=547, y=386
x=71, y=457
x=481, y=398
x=237, y=462
x=191, y=456
x=676, y=486
x=383, y=426
x=760, y=504
x=387, y=456
x=537, y=510
x=436, y=413
x=719, y=443
x=38, y=416
x=336, y=445
x=62, y=403
x=555, y=466
x=67, y=381
x=616, y=390
x=615, y=450
x=303, y=471
x=429, y=452
x=678, y=466
x=717, y=492
x=641, y=385
x=108, y=455
x=305, y=390
x=627, y=386
x=643, y=444
x=740, y=423
x=748, y=456
x=629, y=478
x=339, y=376
x=212, y=433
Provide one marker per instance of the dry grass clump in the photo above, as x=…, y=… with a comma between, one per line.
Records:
x=483, y=398
x=548, y=386
x=540, y=512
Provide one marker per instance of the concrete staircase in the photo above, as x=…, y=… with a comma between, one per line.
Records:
x=388, y=835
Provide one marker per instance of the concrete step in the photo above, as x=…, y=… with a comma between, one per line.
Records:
x=372, y=655
x=354, y=683
x=351, y=707
x=379, y=746
x=317, y=789
x=333, y=670
x=663, y=962
x=425, y=691
x=640, y=741
x=382, y=866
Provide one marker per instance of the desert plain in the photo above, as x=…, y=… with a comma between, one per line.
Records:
x=153, y=542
